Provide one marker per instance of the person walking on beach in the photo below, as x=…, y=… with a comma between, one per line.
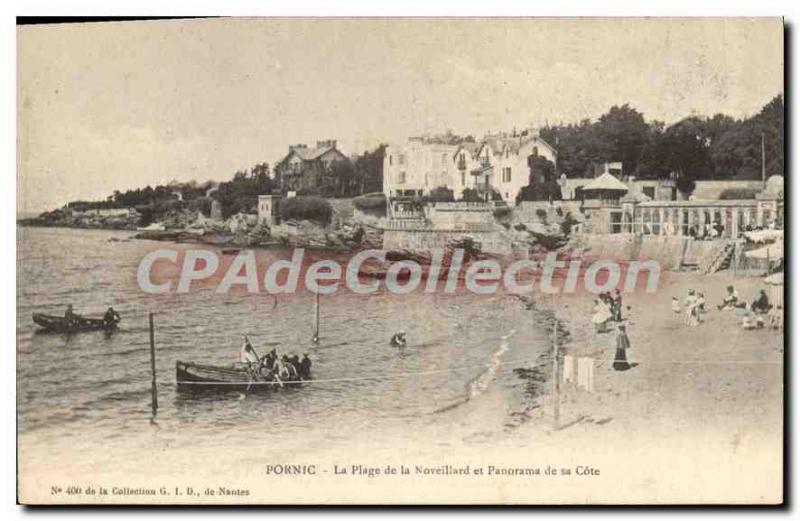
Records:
x=616, y=305
x=691, y=318
x=623, y=344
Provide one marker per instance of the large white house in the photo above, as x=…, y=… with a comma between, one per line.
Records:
x=498, y=162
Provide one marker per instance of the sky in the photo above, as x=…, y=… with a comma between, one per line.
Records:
x=115, y=106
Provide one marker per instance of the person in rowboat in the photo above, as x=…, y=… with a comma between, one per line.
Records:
x=111, y=316
x=305, y=367
x=70, y=315
x=248, y=355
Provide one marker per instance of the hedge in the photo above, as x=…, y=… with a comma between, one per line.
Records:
x=306, y=208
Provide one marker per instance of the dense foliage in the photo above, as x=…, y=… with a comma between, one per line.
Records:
x=306, y=208
x=695, y=148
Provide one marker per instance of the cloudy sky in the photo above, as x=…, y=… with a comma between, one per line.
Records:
x=113, y=106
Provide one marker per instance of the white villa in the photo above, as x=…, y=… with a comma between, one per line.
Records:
x=498, y=161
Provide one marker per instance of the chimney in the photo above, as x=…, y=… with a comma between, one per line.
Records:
x=328, y=143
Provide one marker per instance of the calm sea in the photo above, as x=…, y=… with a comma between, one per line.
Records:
x=466, y=354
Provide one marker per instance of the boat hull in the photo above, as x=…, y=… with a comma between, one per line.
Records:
x=57, y=324
x=192, y=377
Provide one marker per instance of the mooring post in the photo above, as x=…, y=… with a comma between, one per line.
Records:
x=153, y=363
x=556, y=386
x=316, y=317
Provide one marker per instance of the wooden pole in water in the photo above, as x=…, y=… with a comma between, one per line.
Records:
x=153, y=363
x=316, y=317
x=556, y=387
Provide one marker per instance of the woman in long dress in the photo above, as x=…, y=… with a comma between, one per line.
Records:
x=623, y=344
x=601, y=316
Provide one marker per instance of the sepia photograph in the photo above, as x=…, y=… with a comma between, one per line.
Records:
x=400, y=261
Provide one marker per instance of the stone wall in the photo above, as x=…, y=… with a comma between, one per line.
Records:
x=429, y=239
x=668, y=250
x=526, y=211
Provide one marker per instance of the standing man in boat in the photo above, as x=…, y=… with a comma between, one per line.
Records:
x=248, y=355
x=70, y=315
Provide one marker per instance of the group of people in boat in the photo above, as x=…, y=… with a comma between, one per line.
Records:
x=754, y=311
x=273, y=367
x=110, y=318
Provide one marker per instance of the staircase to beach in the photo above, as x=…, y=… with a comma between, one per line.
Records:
x=718, y=258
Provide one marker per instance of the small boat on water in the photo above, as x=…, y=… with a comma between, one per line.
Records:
x=231, y=251
x=59, y=324
x=192, y=377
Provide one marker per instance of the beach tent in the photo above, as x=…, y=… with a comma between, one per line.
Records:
x=764, y=236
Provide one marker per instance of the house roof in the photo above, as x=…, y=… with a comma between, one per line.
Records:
x=309, y=154
x=635, y=196
x=606, y=182
x=499, y=143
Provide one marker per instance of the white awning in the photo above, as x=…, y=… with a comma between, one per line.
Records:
x=764, y=236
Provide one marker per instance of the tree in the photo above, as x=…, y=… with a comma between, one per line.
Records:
x=542, y=183
x=621, y=135
x=737, y=152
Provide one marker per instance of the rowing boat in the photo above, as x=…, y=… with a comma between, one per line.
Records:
x=59, y=324
x=193, y=377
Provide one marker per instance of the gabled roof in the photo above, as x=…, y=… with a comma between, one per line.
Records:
x=606, y=182
x=470, y=146
x=514, y=144
x=309, y=154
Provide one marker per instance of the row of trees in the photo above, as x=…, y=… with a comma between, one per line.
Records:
x=360, y=176
x=697, y=147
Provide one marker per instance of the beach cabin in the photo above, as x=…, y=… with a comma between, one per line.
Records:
x=601, y=204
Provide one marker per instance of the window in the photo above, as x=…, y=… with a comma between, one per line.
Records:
x=507, y=174
x=401, y=159
x=616, y=222
x=390, y=160
x=444, y=159
x=401, y=179
x=535, y=152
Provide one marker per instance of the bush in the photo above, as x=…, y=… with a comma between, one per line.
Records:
x=371, y=204
x=501, y=212
x=567, y=224
x=471, y=195
x=441, y=194
x=200, y=204
x=306, y=208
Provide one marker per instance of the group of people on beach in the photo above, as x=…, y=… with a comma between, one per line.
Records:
x=273, y=367
x=608, y=309
x=695, y=307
